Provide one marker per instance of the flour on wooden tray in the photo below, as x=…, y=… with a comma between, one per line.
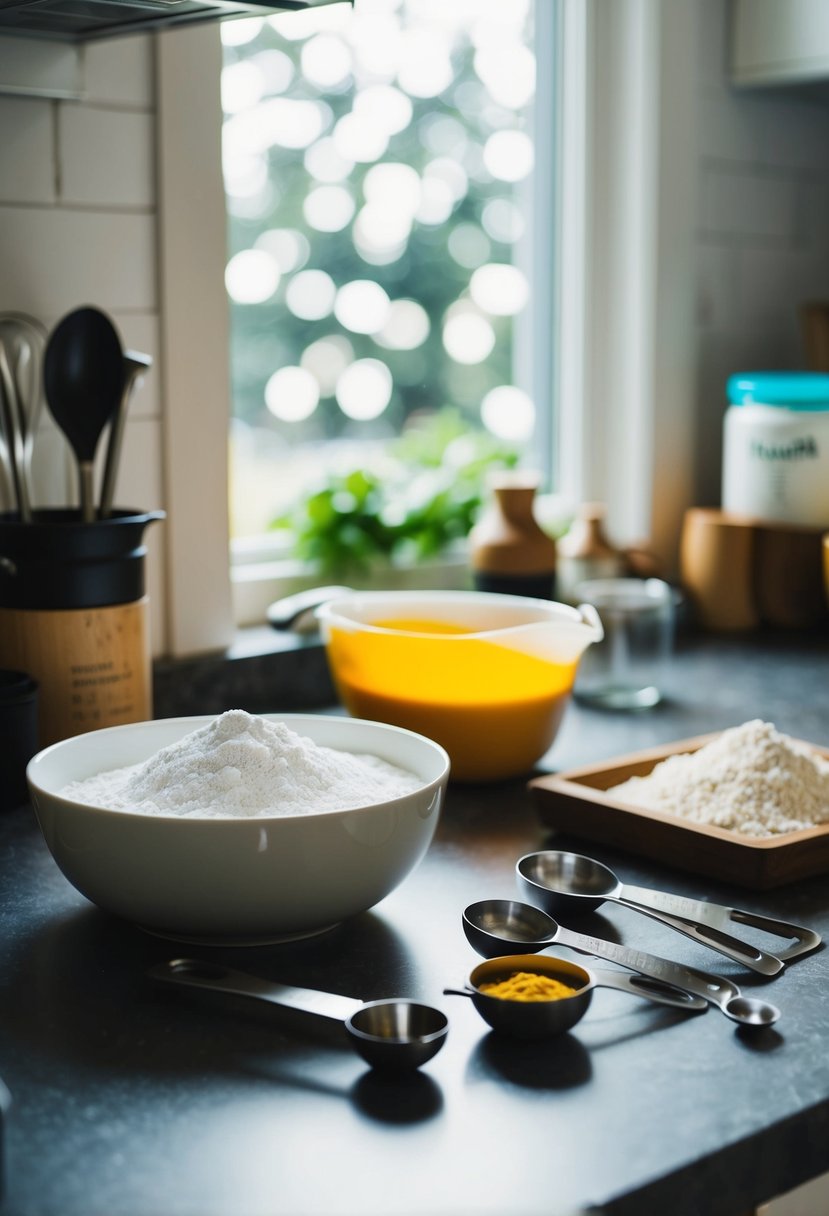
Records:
x=241, y=766
x=751, y=779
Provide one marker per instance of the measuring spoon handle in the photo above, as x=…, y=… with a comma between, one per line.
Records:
x=719, y=916
x=649, y=989
x=712, y=988
x=707, y=935
x=212, y=977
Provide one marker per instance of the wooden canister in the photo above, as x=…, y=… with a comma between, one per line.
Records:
x=716, y=555
x=743, y=572
x=92, y=664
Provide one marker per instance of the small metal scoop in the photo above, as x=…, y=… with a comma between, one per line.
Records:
x=560, y=882
x=500, y=926
x=543, y=1019
x=395, y=1035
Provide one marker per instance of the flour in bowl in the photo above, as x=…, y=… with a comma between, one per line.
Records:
x=751, y=779
x=241, y=766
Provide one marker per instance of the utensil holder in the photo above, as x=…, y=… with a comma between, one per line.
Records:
x=74, y=615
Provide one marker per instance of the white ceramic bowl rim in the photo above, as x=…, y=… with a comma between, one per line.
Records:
x=355, y=726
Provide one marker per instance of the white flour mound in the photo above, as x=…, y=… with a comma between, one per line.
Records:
x=751, y=779
x=241, y=766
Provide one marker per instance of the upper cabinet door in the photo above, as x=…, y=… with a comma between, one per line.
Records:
x=779, y=41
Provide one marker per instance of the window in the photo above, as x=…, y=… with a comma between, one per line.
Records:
x=607, y=337
x=378, y=167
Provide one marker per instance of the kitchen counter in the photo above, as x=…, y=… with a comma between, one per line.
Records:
x=135, y=1100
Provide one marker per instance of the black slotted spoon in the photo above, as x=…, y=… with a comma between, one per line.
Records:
x=83, y=375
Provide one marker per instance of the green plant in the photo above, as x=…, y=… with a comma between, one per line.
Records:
x=422, y=497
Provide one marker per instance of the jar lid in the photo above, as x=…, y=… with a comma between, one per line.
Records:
x=795, y=390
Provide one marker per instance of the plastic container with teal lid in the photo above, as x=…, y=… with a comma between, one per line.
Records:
x=776, y=447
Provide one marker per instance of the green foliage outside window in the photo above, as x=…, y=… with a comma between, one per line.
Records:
x=421, y=498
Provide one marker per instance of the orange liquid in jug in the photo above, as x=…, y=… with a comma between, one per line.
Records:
x=494, y=709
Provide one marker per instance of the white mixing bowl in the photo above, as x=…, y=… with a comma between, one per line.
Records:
x=237, y=880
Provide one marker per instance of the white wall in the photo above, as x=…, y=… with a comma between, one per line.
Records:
x=78, y=225
x=762, y=239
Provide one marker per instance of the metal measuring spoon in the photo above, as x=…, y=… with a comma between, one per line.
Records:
x=396, y=1035
x=568, y=881
x=543, y=1019
x=503, y=926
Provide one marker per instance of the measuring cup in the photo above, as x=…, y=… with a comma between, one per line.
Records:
x=542, y=1019
x=499, y=926
x=396, y=1035
x=487, y=676
x=559, y=882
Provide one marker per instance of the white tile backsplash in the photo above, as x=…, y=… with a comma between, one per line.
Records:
x=106, y=157
x=27, y=165
x=120, y=71
x=746, y=204
x=55, y=259
x=717, y=288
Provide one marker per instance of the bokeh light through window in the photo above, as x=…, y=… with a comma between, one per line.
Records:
x=376, y=162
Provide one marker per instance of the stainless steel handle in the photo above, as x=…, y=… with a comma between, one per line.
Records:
x=211, y=977
x=713, y=988
x=719, y=916
x=708, y=935
x=648, y=988
x=806, y=940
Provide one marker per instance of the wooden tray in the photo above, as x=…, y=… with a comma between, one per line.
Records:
x=575, y=802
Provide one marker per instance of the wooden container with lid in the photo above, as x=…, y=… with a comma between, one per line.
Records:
x=510, y=553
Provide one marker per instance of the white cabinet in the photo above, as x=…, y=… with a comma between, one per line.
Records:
x=779, y=41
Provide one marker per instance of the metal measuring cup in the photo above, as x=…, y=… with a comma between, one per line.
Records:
x=541, y=1019
x=395, y=1035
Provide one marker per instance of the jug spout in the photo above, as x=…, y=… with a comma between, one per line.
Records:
x=562, y=639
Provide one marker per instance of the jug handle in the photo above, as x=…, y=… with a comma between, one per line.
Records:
x=591, y=618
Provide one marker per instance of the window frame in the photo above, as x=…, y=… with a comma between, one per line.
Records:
x=619, y=342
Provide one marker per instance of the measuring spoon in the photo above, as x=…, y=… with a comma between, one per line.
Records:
x=541, y=1019
x=559, y=881
x=502, y=926
x=396, y=1035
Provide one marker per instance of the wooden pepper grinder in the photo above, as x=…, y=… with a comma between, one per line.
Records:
x=509, y=552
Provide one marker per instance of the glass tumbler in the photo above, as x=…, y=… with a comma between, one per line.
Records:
x=628, y=669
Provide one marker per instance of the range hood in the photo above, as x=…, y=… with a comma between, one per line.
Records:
x=85, y=20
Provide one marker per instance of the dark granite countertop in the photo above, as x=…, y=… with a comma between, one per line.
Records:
x=130, y=1101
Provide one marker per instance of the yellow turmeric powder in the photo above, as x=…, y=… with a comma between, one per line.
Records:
x=527, y=986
